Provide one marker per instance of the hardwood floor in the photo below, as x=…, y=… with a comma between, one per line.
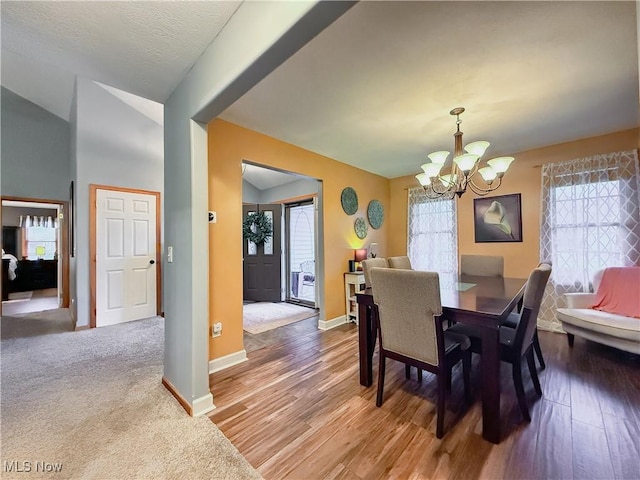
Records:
x=296, y=410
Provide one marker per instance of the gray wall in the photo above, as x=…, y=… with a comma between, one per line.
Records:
x=115, y=145
x=11, y=215
x=250, y=194
x=227, y=69
x=299, y=188
x=35, y=150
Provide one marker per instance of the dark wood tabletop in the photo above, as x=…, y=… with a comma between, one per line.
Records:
x=481, y=301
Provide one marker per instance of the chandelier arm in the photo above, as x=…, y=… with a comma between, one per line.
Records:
x=483, y=191
x=435, y=194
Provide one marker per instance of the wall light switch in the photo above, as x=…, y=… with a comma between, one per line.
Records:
x=170, y=254
x=216, y=329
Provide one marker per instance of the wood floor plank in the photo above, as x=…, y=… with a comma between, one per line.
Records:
x=296, y=410
x=553, y=448
x=623, y=438
x=585, y=401
x=591, y=458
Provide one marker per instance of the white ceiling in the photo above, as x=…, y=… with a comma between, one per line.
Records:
x=144, y=48
x=375, y=88
x=265, y=178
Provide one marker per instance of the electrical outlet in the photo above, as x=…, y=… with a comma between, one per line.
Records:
x=216, y=329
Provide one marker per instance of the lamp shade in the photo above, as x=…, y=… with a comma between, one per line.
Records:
x=432, y=169
x=360, y=254
x=424, y=179
x=477, y=148
x=438, y=157
x=488, y=174
x=466, y=161
x=500, y=164
x=449, y=180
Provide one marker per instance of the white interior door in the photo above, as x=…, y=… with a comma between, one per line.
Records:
x=125, y=257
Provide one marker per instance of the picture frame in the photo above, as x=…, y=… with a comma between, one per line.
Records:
x=71, y=221
x=498, y=219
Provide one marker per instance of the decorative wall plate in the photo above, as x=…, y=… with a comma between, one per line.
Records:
x=375, y=214
x=349, y=200
x=360, y=226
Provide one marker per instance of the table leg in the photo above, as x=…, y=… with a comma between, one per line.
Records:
x=366, y=341
x=490, y=364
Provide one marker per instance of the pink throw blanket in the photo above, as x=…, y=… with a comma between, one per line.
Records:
x=619, y=291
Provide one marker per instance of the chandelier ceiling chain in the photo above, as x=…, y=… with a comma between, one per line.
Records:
x=464, y=167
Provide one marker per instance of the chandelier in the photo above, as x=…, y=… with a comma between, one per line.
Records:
x=464, y=168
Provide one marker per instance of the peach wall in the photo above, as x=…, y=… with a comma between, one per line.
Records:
x=229, y=145
x=523, y=177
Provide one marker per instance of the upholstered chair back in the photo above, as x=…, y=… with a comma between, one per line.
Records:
x=370, y=263
x=533, y=293
x=400, y=262
x=482, y=265
x=408, y=302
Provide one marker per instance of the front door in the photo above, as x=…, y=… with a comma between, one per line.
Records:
x=262, y=263
x=125, y=256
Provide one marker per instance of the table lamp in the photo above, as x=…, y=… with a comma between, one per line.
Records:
x=360, y=255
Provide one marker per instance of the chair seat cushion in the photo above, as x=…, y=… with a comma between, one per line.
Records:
x=507, y=335
x=512, y=320
x=451, y=339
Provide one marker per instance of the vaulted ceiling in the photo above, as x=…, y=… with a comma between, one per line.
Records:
x=375, y=88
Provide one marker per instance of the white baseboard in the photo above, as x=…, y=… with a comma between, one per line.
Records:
x=203, y=405
x=334, y=322
x=227, y=361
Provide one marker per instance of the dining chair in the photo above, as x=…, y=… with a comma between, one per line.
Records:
x=512, y=322
x=516, y=344
x=370, y=263
x=400, y=262
x=482, y=265
x=410, y=330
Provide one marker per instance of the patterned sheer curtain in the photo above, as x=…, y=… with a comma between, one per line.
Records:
x=432, y=238
x=590, y=220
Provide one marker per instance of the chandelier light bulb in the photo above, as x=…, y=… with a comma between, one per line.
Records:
x=477, y=148
x=439, y=157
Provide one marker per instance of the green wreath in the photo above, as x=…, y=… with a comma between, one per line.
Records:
x=257, y=228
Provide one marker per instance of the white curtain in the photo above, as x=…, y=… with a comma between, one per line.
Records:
x=432, y=239
x=590, y=220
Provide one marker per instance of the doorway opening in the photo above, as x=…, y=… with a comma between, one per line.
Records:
x=34, y=256
x=300, y=252
x=280, y=276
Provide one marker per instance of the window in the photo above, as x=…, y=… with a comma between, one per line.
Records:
x=590, y=220
x=432, y=241
x=586, y=229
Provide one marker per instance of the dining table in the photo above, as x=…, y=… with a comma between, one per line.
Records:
x=484, y=302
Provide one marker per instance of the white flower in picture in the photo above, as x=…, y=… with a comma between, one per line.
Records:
x=496, y=215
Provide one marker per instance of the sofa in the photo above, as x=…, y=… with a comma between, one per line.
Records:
x=611, y=329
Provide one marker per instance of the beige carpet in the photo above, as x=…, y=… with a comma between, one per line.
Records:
x=92, y=402
x=262, y=316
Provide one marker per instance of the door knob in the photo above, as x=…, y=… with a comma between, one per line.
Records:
x=152, y=262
